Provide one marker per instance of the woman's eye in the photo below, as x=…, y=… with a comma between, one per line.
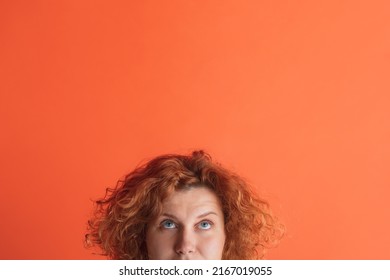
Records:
x=168, y=224
x=204, y=225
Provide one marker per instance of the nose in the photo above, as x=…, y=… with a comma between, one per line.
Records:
x=185, y=243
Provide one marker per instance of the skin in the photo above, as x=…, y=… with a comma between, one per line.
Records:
x=190, y=227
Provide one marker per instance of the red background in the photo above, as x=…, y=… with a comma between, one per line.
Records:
x=294, y=95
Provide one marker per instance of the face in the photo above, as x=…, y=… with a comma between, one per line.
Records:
x=190, y=227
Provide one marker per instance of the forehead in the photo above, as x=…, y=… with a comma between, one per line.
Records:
x=191, y=201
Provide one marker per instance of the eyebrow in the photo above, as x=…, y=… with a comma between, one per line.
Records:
x=200, y=216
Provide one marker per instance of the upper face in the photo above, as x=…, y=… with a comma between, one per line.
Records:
x=191, y=226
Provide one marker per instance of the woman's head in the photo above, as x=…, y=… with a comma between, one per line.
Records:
x=182, y=207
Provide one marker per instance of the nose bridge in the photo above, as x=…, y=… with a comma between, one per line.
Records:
x=186, y=241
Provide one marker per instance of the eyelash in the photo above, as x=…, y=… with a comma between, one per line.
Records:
x=162, y=224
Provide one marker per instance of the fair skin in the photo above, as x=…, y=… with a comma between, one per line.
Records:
x=190, y=227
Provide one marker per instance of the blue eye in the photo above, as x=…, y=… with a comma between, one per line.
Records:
x=168, y=224
x=204, y=225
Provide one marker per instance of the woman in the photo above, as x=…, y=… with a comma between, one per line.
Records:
x=182, y=207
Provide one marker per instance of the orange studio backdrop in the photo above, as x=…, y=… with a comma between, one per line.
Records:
x=293, y=95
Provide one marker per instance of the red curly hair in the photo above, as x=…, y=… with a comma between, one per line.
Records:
x=119, y=223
